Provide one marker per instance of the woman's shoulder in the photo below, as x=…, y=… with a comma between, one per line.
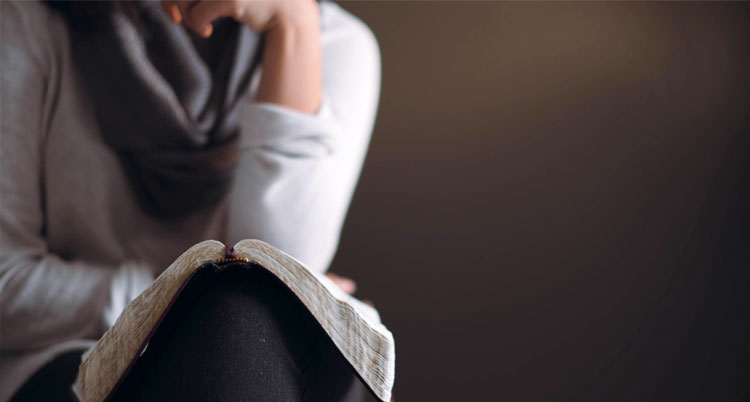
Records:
x=32, y=29
x=338, y=24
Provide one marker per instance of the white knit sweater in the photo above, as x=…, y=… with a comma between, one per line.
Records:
x=74, y=246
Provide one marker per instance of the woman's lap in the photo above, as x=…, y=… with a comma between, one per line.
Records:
x=238, y=335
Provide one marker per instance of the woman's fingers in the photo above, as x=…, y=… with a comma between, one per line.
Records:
x=184, y=7
x=205, y=11
x=180, y=11
x=172, y=11
x=196, y=15
x=345, y=284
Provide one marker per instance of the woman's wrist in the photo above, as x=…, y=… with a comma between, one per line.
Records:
x=300, y=15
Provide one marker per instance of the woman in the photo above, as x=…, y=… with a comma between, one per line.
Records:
x=132, y=131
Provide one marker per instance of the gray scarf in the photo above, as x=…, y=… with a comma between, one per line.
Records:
x=167, y=102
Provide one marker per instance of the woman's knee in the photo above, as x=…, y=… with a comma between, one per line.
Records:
x=229, y=334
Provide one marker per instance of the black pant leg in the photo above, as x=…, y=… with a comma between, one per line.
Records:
x=52, y=382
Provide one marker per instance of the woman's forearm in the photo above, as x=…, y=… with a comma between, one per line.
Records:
x=292, y=62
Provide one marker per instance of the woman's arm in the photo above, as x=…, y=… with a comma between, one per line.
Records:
x=43, y=299
x=298, y=171
x=304, y=138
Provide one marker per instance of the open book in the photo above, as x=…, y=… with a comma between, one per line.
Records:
x=353, y=326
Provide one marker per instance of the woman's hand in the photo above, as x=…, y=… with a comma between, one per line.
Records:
x=344, y=283
x=260, y=15
x=292, y=59
x=347, y=285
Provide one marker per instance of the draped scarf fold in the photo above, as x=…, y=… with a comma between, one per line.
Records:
x=167, y=102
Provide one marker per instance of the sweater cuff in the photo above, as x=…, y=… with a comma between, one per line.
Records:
x=128, y=282
x=279, y=128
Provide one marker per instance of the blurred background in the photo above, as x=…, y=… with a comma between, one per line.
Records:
x=555, y=202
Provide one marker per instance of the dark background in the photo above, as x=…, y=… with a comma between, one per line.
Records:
x=555, y=202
